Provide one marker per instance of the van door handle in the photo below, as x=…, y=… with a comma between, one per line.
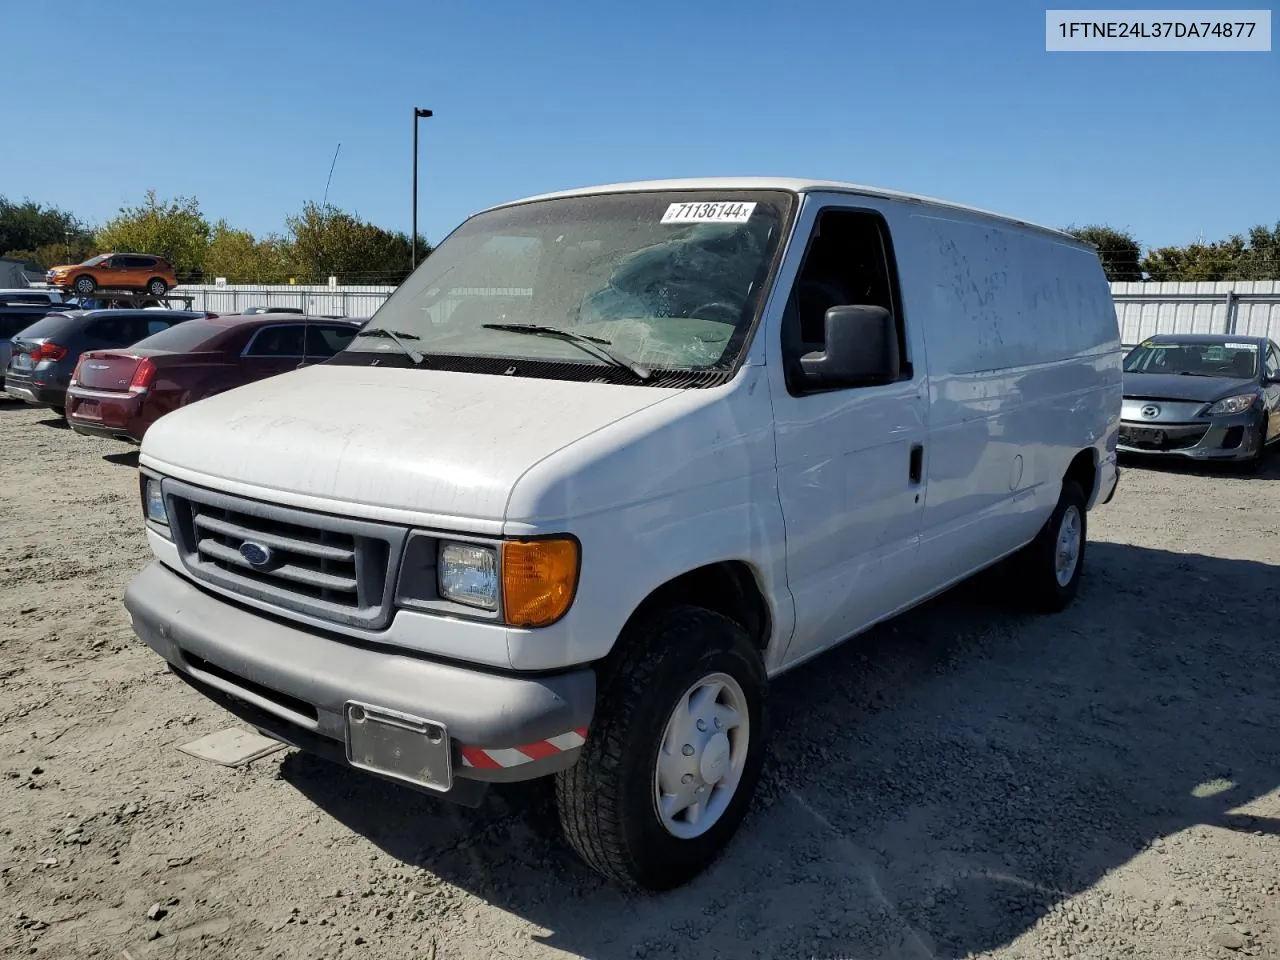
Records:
x=917, y=462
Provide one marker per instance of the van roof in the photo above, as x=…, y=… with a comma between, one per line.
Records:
x=792, y=185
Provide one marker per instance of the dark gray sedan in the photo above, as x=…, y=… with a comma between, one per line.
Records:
x=1206, y=396
x=45, y=354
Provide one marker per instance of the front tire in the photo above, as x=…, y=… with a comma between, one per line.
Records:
x=1255, y=463
x=1050, y=566
x=157, y=287
x=674, y=753
x=85, y=285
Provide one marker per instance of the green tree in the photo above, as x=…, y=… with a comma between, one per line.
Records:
x=174, y=229
x=241, y=258
x=1117, y=249
x=26, y=227
x=1262, y=259
x=329, y=242
x=1221, y=260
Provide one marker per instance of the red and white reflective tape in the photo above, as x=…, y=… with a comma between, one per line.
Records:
x=514, y=756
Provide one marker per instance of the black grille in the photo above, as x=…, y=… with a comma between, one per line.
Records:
x=332, y=567
x=317, y=563
x=1149, y=438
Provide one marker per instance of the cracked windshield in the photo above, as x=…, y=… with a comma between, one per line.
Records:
x=639, y=280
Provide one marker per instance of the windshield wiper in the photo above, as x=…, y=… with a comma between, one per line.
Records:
x=412, y=354
x=594, y=345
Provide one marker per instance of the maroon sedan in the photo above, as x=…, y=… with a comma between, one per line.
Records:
x=120, y=393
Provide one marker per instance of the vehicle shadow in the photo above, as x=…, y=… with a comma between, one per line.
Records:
x=1200, y=468
x=126, y=458
x=57, y=423
x=933, y=788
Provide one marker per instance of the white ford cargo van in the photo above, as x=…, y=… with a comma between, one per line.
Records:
x=611, y=459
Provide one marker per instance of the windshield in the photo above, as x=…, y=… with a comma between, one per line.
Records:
x=1236, y=359
x=664, y=280
x=94, y=261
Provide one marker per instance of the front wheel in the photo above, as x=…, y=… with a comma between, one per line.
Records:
x=85, y=285
x=673, y=755
x=1050, y=565
x=1255, y=463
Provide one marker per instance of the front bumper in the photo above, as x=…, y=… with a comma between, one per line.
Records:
x=297, y=685
x=1235, y=437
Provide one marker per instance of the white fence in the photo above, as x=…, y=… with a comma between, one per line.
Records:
x=316, y=299
x=1246, y=308
x=1243, y=308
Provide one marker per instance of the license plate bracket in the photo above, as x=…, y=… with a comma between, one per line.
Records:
x=398, y=745
x=1144, y=435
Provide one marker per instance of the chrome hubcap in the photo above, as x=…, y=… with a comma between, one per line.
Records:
x=703, y=754
x=1067, y=554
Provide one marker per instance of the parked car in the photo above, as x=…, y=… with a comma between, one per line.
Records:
x=28, y=295
x=250, y=311
x=116, y=271
x=567, y=521
x=120, y=393
x=1204, y=397
x=15, y=317
x=45, y=353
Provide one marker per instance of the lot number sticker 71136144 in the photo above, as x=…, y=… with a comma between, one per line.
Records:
x=718, y=211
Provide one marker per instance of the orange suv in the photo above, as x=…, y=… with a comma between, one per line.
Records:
x=116, y=271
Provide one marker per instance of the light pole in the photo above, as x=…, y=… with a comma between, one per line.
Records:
x=418, y=114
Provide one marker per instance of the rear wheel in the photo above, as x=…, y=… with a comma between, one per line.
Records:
x=157, y=287
x=85, y=285
x=674, y=752
x=1050, y=565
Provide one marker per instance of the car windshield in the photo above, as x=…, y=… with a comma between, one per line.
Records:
x=668, y=280
x=1238, y=359
x=94, y=261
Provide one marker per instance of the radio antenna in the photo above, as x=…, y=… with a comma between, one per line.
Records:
x=325, y=204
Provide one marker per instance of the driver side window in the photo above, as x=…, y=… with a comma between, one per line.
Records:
x=849, y=262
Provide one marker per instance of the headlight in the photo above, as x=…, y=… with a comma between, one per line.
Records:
x=469, y=574
x=534, y=580
x=153, y=501
x=1232, y=405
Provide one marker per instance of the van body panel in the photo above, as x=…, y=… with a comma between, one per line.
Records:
x=1024, y=373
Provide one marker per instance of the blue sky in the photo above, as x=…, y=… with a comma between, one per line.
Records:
x=242, y=105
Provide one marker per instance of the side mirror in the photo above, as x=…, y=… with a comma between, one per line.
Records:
x=861, y=349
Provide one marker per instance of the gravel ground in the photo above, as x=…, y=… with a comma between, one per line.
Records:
x=962, y=782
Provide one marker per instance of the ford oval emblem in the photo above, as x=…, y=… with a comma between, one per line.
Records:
x=255, y=554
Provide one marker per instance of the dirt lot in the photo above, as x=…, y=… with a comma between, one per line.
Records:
x=962, y=782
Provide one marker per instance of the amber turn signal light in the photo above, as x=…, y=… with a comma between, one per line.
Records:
x=539, y=578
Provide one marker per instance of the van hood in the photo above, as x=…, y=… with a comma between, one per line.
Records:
x=451, y=444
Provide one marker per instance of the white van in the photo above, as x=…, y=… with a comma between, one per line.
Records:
x=608, y=461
